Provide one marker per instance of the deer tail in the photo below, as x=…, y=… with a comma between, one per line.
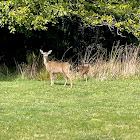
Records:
x=70, y=68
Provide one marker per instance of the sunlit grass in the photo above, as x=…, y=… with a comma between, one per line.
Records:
x=104, y=110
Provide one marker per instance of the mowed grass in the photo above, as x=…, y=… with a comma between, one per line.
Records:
x=34, y=110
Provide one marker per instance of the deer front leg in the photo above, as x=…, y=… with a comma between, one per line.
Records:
x=52, y=78
x=86, y=77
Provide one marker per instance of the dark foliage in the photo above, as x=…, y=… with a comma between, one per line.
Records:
x=69, y=32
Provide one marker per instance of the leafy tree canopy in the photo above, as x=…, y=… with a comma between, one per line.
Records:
x=36, y=14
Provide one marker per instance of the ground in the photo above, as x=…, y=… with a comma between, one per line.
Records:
x=92, y=110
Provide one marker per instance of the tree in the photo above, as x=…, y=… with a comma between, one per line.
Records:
x=37, y=14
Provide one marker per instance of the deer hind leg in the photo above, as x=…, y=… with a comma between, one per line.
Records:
x=80, y=76
x=52, y=78
x=71, y=81
x=66, y=79
x=70, y=77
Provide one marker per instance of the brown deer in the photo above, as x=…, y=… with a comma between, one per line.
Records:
x=83, y=70
x=54, y=67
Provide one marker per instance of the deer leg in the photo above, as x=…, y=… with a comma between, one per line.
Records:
x=70, y=77
x=66, y=79
x=71, y=81
x=52, y=79
x=80, y=76
x=86, y=77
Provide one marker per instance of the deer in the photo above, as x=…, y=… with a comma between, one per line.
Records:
x=54, y=67
x=83, y=70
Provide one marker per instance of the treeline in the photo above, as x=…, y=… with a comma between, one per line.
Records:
x=61, y=25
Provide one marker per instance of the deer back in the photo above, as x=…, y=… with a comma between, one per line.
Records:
x=57, y=67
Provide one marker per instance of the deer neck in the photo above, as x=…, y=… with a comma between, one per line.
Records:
x=45, y=60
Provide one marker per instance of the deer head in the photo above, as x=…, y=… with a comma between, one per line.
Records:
x=45, y=54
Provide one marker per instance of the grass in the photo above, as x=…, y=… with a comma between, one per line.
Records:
x=34, y=110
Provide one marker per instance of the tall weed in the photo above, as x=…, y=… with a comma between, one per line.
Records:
x=122, y=62
x=32, y=68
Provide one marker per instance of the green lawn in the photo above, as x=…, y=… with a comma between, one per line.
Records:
x=34, y=110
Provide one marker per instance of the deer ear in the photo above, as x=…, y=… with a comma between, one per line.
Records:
x=49, y=52
x=41, y=51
